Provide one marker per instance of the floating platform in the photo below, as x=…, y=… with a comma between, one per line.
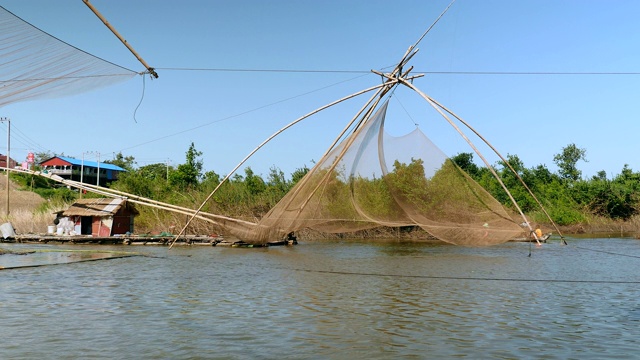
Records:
x=159, y=240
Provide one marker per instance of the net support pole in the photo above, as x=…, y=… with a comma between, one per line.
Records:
x=151, y=70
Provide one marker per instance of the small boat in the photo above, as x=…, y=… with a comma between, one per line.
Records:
x=542, y=239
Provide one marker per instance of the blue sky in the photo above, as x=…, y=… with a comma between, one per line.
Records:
x=227, y=113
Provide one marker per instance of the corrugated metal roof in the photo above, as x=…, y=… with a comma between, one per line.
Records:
x=87, y=163
x=94, y=207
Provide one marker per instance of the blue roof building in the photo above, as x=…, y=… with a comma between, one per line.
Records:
x=91, y=172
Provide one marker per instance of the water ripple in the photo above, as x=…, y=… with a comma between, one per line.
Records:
x=328, y=300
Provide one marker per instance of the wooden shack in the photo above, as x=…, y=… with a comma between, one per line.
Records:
x=101, y=216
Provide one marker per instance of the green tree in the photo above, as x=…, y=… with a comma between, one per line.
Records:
x=277, y=185
x=190, y=173
x=149, y=181
x=298, y=174
x=617, y=198
x=211, y=177
x=514, y=185
x=254, y=183
x=125, y=162
x=541, y=175
x=157, y=171
x=465, y=162
x=601, y=175
x=567, y=161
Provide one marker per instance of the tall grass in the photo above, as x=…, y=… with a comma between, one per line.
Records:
x=29, y=222
x=28, y=211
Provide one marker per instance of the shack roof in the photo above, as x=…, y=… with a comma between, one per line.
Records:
x=86, y=163
x=97, y=207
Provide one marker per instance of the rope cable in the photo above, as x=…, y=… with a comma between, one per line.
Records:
x=144, y=85
x=471, y=278
x=608, y=252
x=405, y=110
x=474, y=278
x=68, y=262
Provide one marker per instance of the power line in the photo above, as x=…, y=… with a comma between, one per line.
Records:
x=20, y=137
x=342, y=71
x=265, y=70
x=362, y=73
x=338, y=71
x=26, y=140
x=236, y=115
x=527, y=73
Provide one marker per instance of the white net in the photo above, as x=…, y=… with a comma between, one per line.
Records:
x=36, y=65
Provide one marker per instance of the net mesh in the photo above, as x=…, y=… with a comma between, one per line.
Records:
x=36, y=65
x=372, y=179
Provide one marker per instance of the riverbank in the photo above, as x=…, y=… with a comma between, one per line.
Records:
x=401, y=235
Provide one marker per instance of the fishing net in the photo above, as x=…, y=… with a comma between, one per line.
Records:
x=372, y=179
x=36, y=65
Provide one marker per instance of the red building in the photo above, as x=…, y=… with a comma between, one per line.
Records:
x=3, y=162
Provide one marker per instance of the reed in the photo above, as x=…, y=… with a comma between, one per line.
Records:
x=30, y=221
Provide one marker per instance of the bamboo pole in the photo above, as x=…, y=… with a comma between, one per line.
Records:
x=151, y=70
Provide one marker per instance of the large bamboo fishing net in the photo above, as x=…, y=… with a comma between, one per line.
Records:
x=36, y=65
x=372, y=179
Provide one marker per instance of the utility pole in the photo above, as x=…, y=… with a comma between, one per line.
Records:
x=97, y=153
x=98, y=177
x=81, y=174
x=8, y=157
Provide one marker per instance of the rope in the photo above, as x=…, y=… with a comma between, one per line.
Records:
x=404, y=108
x=471, y=278
x=115, y=255
x=144, y=85
x=607, y=252
x=72, y=262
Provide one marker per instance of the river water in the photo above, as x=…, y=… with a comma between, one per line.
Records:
x=327, y=300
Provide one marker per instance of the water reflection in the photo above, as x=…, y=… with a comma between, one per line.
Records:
x=327, y=300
